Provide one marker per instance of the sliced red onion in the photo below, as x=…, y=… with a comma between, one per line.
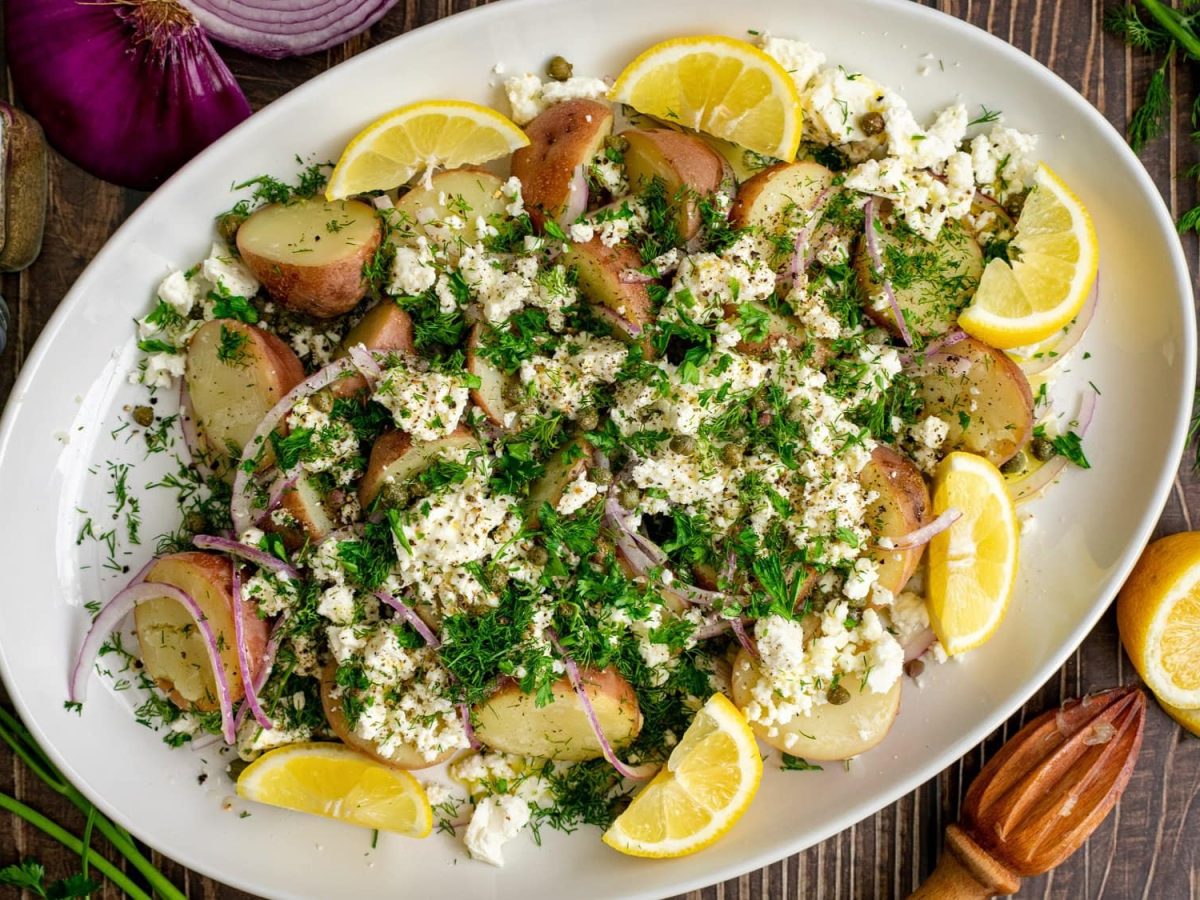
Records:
x=616, y=321
x=633, y=276
x=801, y=251
x=191, y=432
x=240, y=507
x=877, y=266
x=635, y=773
x=915, y=646
x=712, y=629
x=1054, y=353
x=107, y=620
x=923, y=535
x=739, y=632
x=243, y=653
x=245, y=551
x=281, y=485
x=264, y=673
x=464, y=712
x=1032, y=485
x=275, y=30
x=411, y=617
x=365, y=363
x=577, y=197
x=949, y=339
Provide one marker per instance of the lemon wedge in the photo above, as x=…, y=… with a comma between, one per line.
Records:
x=334, y=781
x=720, y=86
x=973, y=563
x=413, y=138
x=1158, y=614
x=706, y=785
x=1055, y=256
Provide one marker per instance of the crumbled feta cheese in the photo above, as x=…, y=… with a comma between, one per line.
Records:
x=577, y=494
x=834, y=102
x=565, y=381
x=496, y=821
x=181, y=293
x=1003, y=161
x=428, y=405
x=225, y=270
x=529, y=96
x=800, y=60
x=412, y=270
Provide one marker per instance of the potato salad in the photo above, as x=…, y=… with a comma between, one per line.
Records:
x=503, y=472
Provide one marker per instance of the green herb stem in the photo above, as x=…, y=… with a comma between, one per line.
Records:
x=72, y=843
x=1168, y=19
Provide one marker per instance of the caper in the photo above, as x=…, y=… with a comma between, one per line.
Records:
x=601, y=549
x=322, y=401
x=538, y=555
x=871, y=123
x=837, y=695
x=195, y=522
x=228, y=225
x=513, y=391
x=417, y=489
x=913, y=668
x=617, y=142
x=236, y=767
x=589, y=419
x=796, y=408
x=733, y=454
x=857, y=602
x=396, y=496
x=1042, y=449
x=559, y=69
x=737, y=433
x=143, y=415
x=1016, y=465
x=683, y=444
x=600, y=476
x=765, y=419
x=759, y=403
x=629, y=497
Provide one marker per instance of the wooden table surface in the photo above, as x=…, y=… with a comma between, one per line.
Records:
x=1146, y=849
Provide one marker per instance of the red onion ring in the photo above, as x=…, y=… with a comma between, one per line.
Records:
x=240, y=506
x=464, y=712
x=1055, y=353
x=921, y=536
x=365, y=363
x=244, y=551
x=577, y=197
x=877, y=266
x=1033, y=484
x=411, y=617
x=635, y=773
x=739, y=632
x=243, y=654
x=281, y=485
x=801, y=252
x=264, y=673
x=633, y=276
x=936, y=346
x=117, y=609
x=277, y=30
x=916, y=645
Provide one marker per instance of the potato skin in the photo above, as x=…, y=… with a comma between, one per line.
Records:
x=777, y=200
x=986, y=387
x=830, y=732
x=564, y=137
x=321, y=284
x=689, y=168
x=403, y=757
x=310, y=521
x=511, y=721
x=208, y=579
x=599, y=270
x=489, y=396
x=384, y=327
x=393, y=446
x=230, y=397
x=902, y=506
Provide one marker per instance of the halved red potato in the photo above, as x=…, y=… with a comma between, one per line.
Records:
x=982, y=395
x=830, y=732
x=512, y=722
x=494, y=385
x=932, y=283
x=470, y=193
x=687, y=166
x=779, y=326
x=235, y=373
x=561, y=469
x=172, y=649
x=306, y=519
x=309, y=254
x=562, y=141
x=777, y=201
x=599, y=269
x=384, y=327
x=901, y=506
x=401, y=756
x=396, y=458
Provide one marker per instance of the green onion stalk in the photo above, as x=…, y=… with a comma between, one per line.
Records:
x=21, y=742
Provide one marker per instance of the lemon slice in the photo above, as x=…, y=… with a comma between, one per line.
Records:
x=718, y=85
x=408, y=140
x=1158, y=614
x=334, y=781
x=1055, y=257
x=973, y=563
x=706, y=785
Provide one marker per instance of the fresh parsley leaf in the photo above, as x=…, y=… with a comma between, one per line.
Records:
x=798, y=764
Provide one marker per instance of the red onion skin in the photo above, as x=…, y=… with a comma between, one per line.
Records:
x=276, y=30
x=126, y=109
